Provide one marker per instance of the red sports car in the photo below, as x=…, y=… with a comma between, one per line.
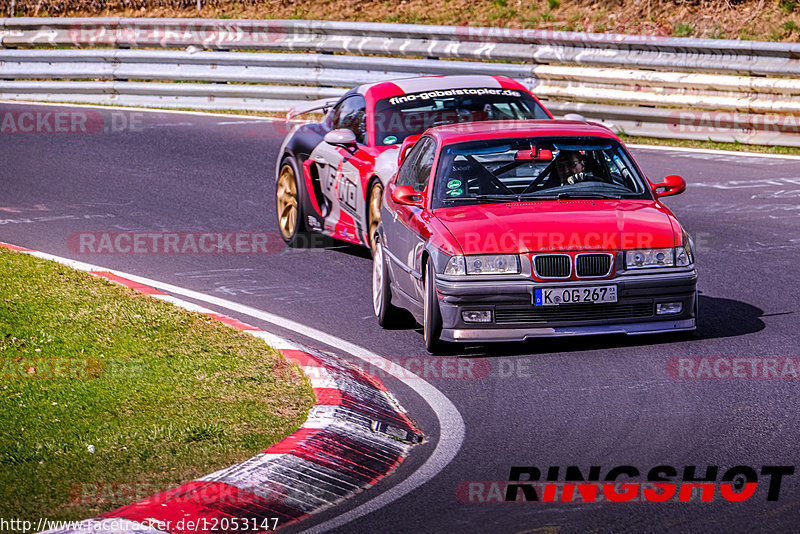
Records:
x=508, y=231
x=330, y=175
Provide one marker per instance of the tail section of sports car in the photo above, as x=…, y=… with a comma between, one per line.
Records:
x=331, y=175
x=509, y=231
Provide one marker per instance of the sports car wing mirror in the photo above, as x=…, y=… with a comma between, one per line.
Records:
x=405, y=148
x=405, y=194
x=670, y=185
x=341, y=137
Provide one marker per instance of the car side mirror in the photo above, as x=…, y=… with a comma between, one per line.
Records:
x=574, y=117
x=670, y=185
x=405, y=148
x=341, y=137
x=405, y=194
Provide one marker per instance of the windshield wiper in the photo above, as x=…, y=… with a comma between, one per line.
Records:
x=578, y=195
x=489, y=198
x=565, y=196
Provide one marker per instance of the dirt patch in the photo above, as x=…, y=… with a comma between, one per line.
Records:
x=766, y=20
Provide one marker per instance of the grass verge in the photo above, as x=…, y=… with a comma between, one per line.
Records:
x=108, y=396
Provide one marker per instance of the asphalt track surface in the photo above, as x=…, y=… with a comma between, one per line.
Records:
x=604, y=401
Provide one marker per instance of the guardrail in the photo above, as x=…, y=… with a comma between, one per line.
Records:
x=663, y=87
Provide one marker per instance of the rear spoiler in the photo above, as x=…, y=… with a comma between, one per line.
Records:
x=308, y=107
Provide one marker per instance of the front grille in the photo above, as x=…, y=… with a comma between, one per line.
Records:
x=553, y=265
x=579, y=312
x=593, y=264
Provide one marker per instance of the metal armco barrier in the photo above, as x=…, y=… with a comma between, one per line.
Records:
x=721, y=90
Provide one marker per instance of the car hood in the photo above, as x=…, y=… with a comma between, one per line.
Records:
x=561, y=225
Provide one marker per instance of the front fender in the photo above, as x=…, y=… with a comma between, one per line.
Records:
x=386, y=165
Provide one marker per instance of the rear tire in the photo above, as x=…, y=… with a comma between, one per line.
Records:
x=432, y=317
x=374, y=213
x=289, y=205
x=385, y=311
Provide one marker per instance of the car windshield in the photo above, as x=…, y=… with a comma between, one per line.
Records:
x=536, y=168
x=399, y=116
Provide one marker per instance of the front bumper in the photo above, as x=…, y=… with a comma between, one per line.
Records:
x=514, y=318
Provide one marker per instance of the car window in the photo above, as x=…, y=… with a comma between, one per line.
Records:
x=399, y=116
x=537, y=168
x=351, y=114
x=416, y=169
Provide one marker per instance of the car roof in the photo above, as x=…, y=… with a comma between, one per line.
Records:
x=472, y=131
x=418, y=84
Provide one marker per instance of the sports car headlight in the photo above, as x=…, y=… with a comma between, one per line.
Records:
x=684, y=255
x=483, y=264
x=659, y=257
x=456, y=266
x=649, y=258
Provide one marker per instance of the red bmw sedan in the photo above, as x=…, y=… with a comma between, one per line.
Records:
x=507, y=231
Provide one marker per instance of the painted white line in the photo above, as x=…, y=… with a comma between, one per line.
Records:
x=227, y=123
x=451, y=424
x=191, y=306
x=274, y=341
x=715, y=152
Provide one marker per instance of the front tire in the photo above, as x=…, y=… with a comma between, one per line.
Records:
x=432, y=316
x=289, y=205
x=382, y=305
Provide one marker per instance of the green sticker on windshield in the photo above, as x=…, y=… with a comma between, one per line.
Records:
x=452, y=184
x=454, y=192
x=389, y=140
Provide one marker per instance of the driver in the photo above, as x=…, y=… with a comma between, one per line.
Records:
x=570, y=166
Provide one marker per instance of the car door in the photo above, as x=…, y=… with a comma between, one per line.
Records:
x=405, y=239
x=337, y=171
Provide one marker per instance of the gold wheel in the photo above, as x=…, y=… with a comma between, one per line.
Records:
x=374, y=215
x=287, y=201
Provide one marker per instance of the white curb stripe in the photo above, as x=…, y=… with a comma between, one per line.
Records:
x=183, y=304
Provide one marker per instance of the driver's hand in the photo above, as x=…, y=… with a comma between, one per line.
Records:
x=579, y=177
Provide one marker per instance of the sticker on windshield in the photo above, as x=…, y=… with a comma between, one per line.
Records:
x=454, y=192
x=448, y=93
x=389, y=140
x=453, y=184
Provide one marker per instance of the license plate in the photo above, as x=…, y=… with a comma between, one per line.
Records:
x=556, y=296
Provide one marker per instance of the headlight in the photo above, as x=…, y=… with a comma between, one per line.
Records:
x=483, y=264
x=650, y=258
x=684, y=256
x=455, y=266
